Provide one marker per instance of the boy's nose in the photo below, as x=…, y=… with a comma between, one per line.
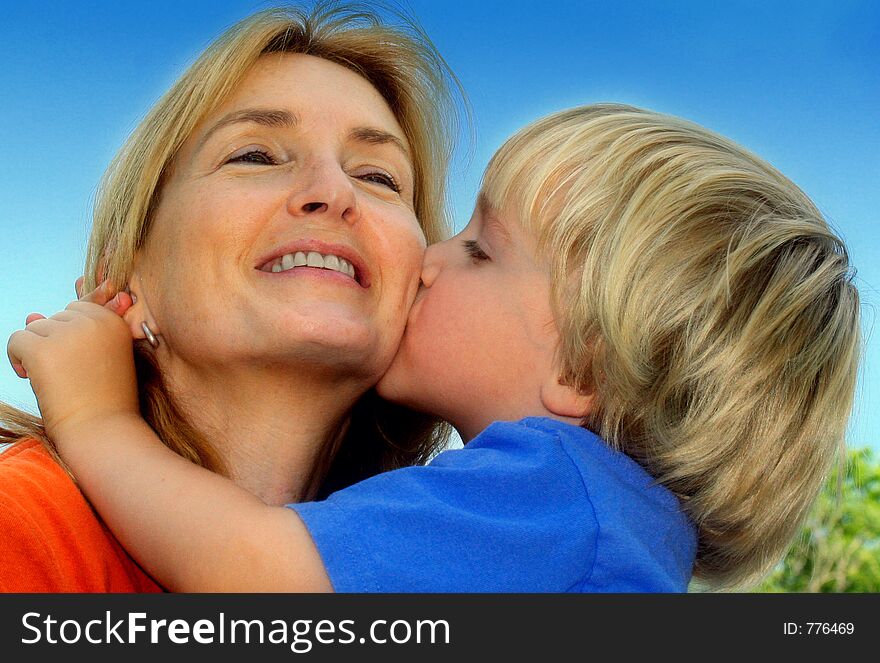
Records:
x=431, y=264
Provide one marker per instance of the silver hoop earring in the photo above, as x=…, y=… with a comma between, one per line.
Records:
x=151, y=337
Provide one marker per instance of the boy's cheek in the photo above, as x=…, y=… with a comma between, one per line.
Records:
x=415, y=365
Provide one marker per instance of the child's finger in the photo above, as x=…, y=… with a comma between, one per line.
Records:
x=88, y=309
x=100, y=295
x=65, y=316
x=115, y=308
x=79, y=286
x=42, y=327
x=34, y=316
x=120, y=303
x=18, y=344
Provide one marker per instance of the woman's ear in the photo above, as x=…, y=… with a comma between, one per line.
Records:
x=139, y=312
x=564, y=400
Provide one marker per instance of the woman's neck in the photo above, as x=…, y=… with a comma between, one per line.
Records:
x=269, y=427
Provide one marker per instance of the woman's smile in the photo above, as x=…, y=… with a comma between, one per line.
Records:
x=312, y=256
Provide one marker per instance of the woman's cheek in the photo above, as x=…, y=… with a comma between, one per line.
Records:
x=410, y=257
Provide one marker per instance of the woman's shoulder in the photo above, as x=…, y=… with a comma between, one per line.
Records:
x=52, y=540
x=32, y=480
x=29, y=474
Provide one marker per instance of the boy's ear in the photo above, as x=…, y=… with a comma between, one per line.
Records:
x=563, y=400
x=139, y=312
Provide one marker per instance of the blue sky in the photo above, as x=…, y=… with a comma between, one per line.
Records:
x=797, y=83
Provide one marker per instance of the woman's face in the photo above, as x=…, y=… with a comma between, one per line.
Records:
x=285, y=233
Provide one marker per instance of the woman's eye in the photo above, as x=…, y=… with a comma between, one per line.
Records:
x=255, y=156
x=383, y=179
x=474, y=251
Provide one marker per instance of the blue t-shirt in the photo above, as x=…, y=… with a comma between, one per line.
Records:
x=533, y=506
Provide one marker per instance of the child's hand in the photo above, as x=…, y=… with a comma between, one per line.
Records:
x=79, y=361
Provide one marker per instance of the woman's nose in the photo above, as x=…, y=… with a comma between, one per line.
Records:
x=323, y=189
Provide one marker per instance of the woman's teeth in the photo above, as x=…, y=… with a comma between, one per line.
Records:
x=311, y=259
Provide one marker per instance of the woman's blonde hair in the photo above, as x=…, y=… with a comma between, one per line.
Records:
x=704, y=300
x=401, y=63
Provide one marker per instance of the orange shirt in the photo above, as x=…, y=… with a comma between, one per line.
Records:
x=50, y=539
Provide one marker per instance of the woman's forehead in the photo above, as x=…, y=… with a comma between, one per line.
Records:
x=296, y=83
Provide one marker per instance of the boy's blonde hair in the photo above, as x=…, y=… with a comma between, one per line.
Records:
x=399, y=60
x=703, y=298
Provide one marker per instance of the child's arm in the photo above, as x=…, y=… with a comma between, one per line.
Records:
x=191, y=529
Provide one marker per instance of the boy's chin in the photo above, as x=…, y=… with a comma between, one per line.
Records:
x=385, y=387
x=395, y=385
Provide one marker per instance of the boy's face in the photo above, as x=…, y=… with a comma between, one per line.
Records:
x=481, y=337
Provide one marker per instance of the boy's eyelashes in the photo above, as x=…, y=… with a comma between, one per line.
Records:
x=474, y=251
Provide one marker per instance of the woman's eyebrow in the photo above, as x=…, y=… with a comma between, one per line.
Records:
x=266, y=116
x=376, y=136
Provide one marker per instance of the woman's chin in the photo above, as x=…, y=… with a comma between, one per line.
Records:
x=324, y=332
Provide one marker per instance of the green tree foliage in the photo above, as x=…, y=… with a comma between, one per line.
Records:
x=839, y=548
